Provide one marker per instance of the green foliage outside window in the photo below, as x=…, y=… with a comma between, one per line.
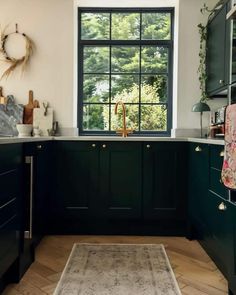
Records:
x=138, y=73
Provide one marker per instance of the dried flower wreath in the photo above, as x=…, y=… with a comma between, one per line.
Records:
x=14, y=62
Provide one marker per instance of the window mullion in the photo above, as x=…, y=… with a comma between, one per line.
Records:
x=140, y=77
x=110, y=74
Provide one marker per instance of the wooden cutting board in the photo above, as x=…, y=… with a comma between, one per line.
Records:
x=42, y=121
x=3, y=100
x=28, y=109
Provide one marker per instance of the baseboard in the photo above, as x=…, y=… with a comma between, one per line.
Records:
x=119, y=227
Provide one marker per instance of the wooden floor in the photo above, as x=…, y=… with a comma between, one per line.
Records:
x=195, y=272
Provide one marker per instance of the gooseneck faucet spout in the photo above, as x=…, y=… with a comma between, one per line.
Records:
x=124, y=132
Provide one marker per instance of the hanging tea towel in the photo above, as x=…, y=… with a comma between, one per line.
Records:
x=228, y=173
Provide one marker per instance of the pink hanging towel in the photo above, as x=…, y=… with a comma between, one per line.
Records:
x=228, y=173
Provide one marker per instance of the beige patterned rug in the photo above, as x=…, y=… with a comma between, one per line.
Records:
x=117, y=269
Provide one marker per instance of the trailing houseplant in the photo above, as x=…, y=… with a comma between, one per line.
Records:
x=202, y=62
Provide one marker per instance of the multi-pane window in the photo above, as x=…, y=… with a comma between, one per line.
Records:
x=125, y=55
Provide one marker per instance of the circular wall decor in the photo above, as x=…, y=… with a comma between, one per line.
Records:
x=15, y=62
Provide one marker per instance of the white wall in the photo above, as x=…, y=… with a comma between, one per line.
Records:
x=188, y=86
x=52, y=72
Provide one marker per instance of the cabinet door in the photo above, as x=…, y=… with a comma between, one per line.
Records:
x=38, y=158
x=120, y=179
x=10, y=199
x=43, y=182
x=76, y=180
x=217, y=52
x=198, y=184
x=232, y=275
x=164, y=180
x=220, y=242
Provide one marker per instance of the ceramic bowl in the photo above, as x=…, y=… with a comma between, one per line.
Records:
x=24, y=130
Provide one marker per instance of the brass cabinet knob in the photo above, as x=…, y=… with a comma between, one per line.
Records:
x=39, y=147
x=93, y=145
x=148, y=146
x=222, y=206
x=104, y=146
x=220, y=180
x=221, y=81
x=222, y=154
x=198, y=149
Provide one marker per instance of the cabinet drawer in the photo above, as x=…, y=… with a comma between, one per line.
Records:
x=216, y=184
x=7, y=211
x=220, y=225
x=10, y=157
x=9, y=185
x=9, y=246
x=33, y=148
x=216, y=156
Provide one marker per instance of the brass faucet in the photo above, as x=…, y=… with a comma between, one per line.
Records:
x=124, y=132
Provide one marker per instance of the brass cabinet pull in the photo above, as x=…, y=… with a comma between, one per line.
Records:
x=221, y=81
x=104, y=146
x=198, y=149
x=39, y=147
x=220, y=180
x=222, y=154
x=222, y=206
x=148, y=146
x=93, y=145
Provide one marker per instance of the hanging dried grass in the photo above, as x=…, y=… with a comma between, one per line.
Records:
x=14, y=62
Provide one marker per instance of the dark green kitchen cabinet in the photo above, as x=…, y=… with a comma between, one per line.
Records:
x=164, y=181
x=10, y=213
x=220, y=242
x=98, y=180
x=198, y=187
x=232, y=253
x=119, y=187
x=37, y=175
x=120, y=179
x=211, y=214
x=76, y=192
x=218, y=52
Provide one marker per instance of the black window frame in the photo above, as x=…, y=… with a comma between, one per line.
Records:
x=164, y=43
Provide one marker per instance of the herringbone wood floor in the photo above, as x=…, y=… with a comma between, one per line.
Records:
x=194, y=270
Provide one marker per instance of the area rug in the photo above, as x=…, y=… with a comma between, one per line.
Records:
x=117, y=269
